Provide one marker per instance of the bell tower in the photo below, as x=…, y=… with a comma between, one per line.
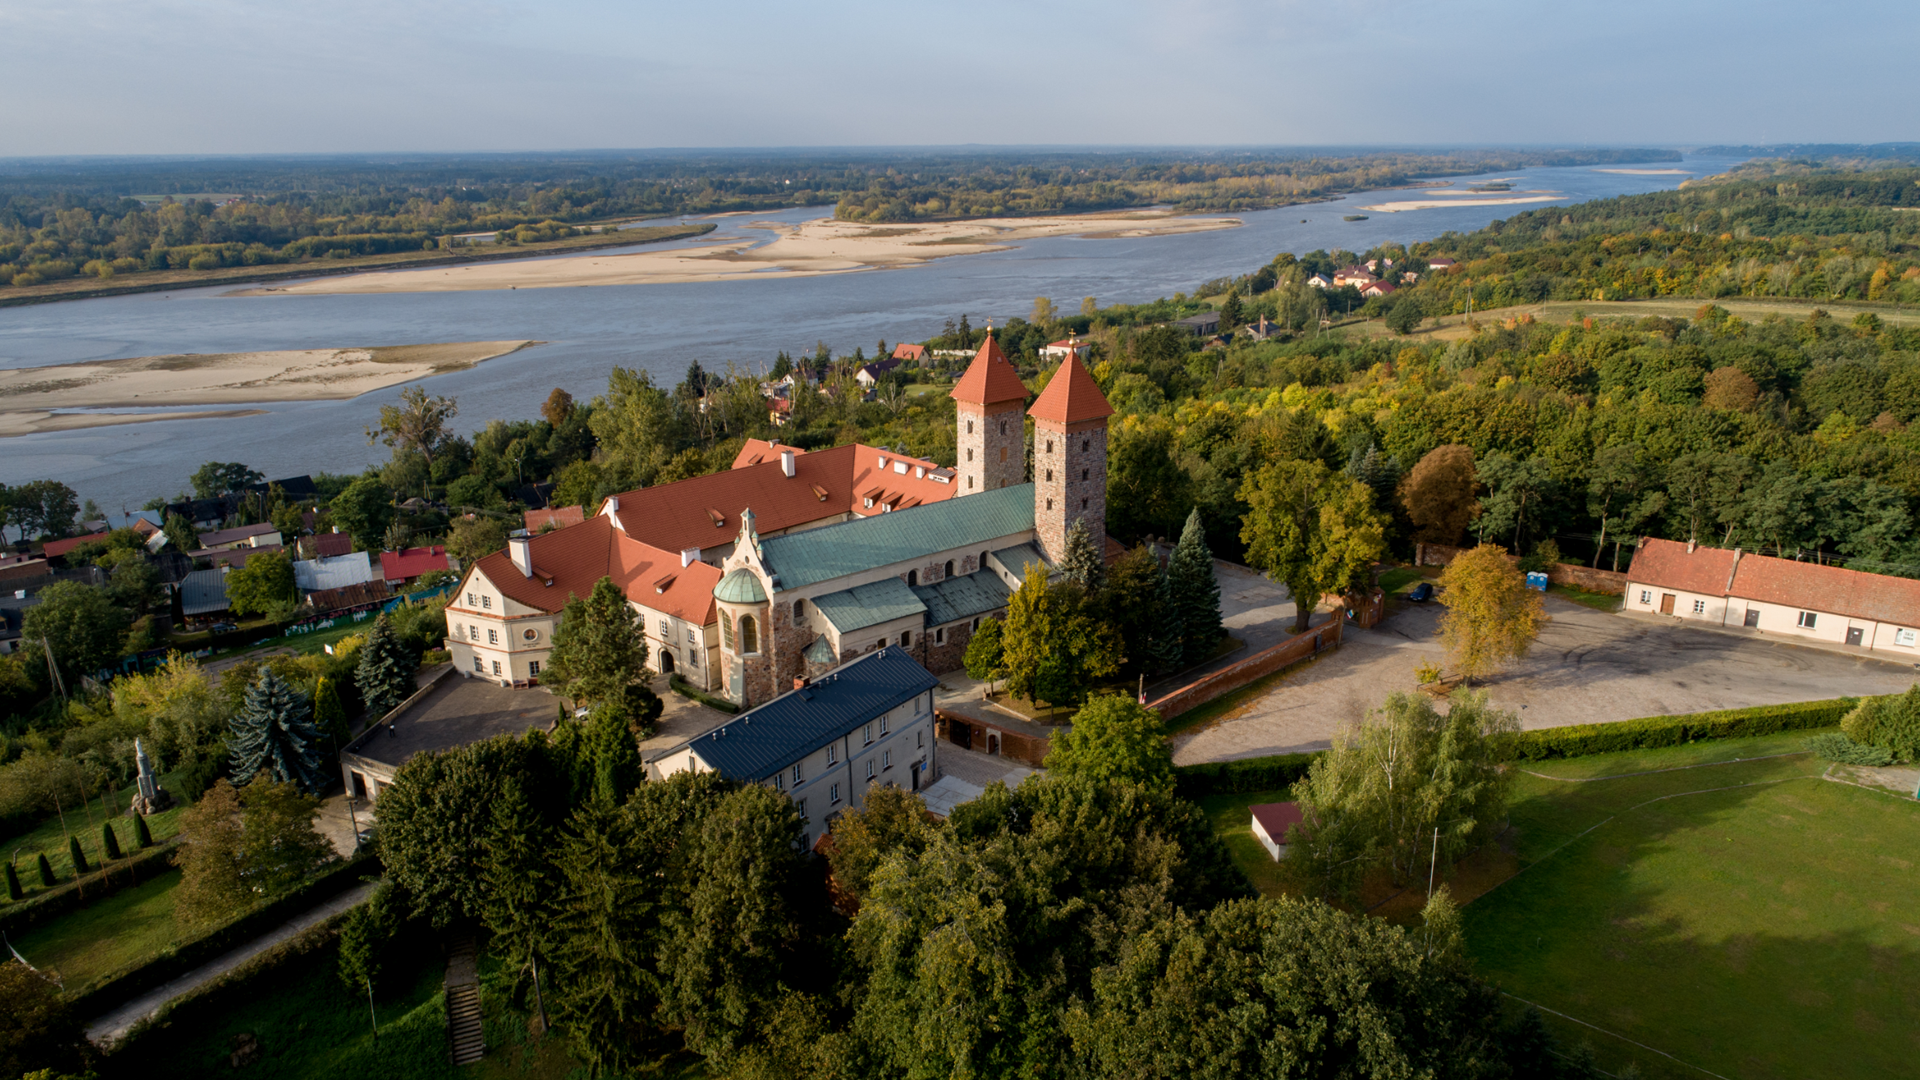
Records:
x=1069, y=459
x=991, y=439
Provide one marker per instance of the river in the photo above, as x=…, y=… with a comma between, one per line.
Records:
x=660, y=328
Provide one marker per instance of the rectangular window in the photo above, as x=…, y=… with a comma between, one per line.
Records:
x=803, y=809
x=832, y=754
x=493, y=636
x=906, y=638
x=487, y=602
x=473, y=632
x=471, y=600
x=1905, y=637
x=1807, y=618
x=940, y=636
x=886, y=759
x=883, y=727
x=866, y=734
x=691, y=639
x=533, y=667
x=479, y=665
x=919, y=739
x=496, y=667
x=666, y=631
x=869, y=768
x=796, y=783
x=779, y=782
x=833, y=794
x=1699, y=607
x=726, y=633
x=1646, y=597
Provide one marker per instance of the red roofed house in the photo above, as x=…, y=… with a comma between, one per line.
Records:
x=1271, y=822
x=1779, y=596
x=554, y=517
x=1439, y=262
x=54, y=549
x=913, y=354
x=402, y=567
x=1377, y=288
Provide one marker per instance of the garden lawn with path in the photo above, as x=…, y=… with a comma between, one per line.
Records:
x=132, y=925
x=1747, y=917
x=1232, y=821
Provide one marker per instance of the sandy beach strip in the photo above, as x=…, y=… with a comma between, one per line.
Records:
x=31, y=398
x=822, y=246
x=1648, y=172
x=1481, y=199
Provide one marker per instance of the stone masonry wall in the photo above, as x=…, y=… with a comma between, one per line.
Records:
x=1070, y=483
x=990, y=446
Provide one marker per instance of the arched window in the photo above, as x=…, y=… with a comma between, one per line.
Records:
x=749, y=636
x=983, y=560
x=726, y=633
x=799, y=610
x=913, y=577
x=969, y=427
x=949, y=570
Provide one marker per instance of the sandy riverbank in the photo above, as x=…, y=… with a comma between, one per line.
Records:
x=823, y=246
x=1648, y=172
x=30, y=398
x=1429, y=201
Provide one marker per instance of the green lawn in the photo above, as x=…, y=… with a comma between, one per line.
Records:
x=100, y=939
x=1233, y=824
x=1746, y=917
x=1401, y=579
x=51, y=838
x=1595, y=600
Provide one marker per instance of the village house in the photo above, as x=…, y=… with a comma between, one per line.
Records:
x=1205, y=324
x=1377, y=288
x=247, y=536
x=398, y=568
x=791, y=563
x=324, y=545
x=825, y=743
x=1718, y=587
x=1074, y=347
x=1440, y=263
x=912, y=354
x=1357, y=276
x=869, y=375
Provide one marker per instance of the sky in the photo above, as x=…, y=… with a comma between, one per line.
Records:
x=268, y=76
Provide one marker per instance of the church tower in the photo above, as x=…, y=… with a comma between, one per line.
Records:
x=1069, y=459
x=991, y=438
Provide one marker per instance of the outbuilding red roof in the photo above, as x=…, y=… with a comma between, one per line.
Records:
x=1277, y=817
x=1071, y=396
x=1668, y=564
x=412, y=562
x=990, y=379
x=1809, y=586
x=53, y=549
x=904, y=351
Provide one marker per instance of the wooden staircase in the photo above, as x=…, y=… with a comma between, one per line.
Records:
x=465, y=1041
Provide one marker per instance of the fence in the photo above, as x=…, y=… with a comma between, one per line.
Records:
x=1263, y=663
x=1580, y=577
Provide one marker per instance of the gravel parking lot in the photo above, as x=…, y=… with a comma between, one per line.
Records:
x=1588, y=666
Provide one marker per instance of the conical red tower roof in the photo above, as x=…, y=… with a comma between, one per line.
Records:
x=990, y=379
x=1071, y=396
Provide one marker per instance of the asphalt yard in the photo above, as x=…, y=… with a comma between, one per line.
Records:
x=1587, y=667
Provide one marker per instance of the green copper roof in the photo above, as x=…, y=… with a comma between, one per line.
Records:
x=820, y=652
x=868, y=605
x=962, y=597
x=740, y=587
x=852, y=547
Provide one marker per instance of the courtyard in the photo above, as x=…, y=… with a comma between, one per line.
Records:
x=1587, y=667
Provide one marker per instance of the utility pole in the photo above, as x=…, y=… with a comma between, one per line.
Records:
x=1434, y=863
x=371, y=1018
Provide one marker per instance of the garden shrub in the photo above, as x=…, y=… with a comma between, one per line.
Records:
x=1656, y=731
x=1891, y=723
x=14, y=891
x=141, y=834
x=1834, y=746
x=1246, y=774
x=109, y=843
x=46, y=871
x=78, y=857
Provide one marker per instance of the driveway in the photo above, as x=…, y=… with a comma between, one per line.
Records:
x=681, y=719
x=1587, y=667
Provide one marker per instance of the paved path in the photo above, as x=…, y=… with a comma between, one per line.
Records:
x=111, y=1028
x=1587, y=667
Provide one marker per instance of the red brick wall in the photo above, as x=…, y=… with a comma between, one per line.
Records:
x=1260, y=664
x=1026, y=749
x=1580, y=577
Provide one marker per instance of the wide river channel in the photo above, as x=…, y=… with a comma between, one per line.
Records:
x=660, y=328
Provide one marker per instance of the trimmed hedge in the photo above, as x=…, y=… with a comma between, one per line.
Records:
x=1244, y=774
x=1655, y=731
x=111, y=990
x=98, y=885
x=688, y=690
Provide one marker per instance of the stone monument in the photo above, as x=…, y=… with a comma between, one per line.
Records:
x=151, y=798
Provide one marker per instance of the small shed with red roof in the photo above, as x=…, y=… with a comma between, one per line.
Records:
x=402, y=567
x=1271, y=823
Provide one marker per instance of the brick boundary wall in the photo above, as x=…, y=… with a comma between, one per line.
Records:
x=1581, y=577
x=1019, y=746
x=1260, y=664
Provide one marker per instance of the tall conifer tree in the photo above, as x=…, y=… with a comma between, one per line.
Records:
x=1196, y=594
x=273, y=733
x=1083, y=562
x=384, y=676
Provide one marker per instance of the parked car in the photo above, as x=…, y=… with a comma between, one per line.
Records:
x=222, y=627
x=1421, y=593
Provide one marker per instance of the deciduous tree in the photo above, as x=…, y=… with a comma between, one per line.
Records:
x=418, y=423
x=1438, y=494
x=1492, y=617
x=264, y=585
x=83, y=628
x=1312, y=528
x=1055, y=646
x=1113, y=738
x=364, y=509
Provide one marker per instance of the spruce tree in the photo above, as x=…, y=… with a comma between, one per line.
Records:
x=598, y=649
x=1196, y=593
x=46, y=871
x=616, y=756
x=141, y=834
x=14, y=891
x=273, y=733
x=76, y=856
x=1083, y=563
x=329, y=716
x=520, y=881
x=109, y=843
x=1169, y=630
x=384, y=676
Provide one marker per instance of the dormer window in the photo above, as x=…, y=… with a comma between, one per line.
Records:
x=869, y=502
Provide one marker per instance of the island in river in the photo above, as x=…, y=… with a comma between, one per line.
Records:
x=821, y=246
x=32, y=399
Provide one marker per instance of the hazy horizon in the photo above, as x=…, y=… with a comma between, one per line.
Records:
x=228, y=77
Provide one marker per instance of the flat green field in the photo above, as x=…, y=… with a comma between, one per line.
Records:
x=99, y=939
x=1233, y=824
x=1745, y=917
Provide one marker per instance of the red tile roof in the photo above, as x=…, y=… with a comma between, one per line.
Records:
x=411, y=563
x=1667, y=564
x=560, y=516
x=904, y=351
x=756, y=451
x=329, y=544
x=56, y=548
x=1071, y=396
x=990, y=379
x=571, y=561
x=1809, y=586
x=1276, y=818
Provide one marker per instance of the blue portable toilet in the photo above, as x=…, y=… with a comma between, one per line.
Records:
x=1537, y=580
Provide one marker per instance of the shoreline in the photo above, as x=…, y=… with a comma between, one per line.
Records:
x=36, y=400
x=813, y=248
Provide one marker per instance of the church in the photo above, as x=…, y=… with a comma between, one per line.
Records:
x=793, y=563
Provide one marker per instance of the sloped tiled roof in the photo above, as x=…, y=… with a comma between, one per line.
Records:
x=569, y=562
x=366, y=592
x=1852, y=593
x=1277, y=817
x=326, y=545
x=236, y=557
x=1071, y=396
x=762, y=741
x=904, y=351
x=815, y=555
x=411, y=563
x=990, y=379
x=559, y=516
x=1668, y=564
x=53, y=549
x=241, y=532
x=869, y=605
x=962, y=597
x=755, y=451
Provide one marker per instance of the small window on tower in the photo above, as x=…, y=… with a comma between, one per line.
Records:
x=1086, y=444
x=969, y=454
x=1003, y=453
x=1003, y=427
x=969, y=427
x=1084, y=473
x=1049, y=475
x=1083, y=504
x=1049, y=446
x=1049, y=504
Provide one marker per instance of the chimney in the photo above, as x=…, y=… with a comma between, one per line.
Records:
x=786, y=463
x=919, y=472
x=1731, y=571
x=1690, y=545
x=689, y=556
x=520, y=550
x=800, y=682
x=613, y=504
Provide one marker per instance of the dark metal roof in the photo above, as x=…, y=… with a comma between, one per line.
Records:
x=762, y=741
x=962, y=597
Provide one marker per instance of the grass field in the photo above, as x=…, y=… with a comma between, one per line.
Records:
x=1595, y=600
x=51, y=838
x=1745, y=917
x=99, y=939
x=1233, y=824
